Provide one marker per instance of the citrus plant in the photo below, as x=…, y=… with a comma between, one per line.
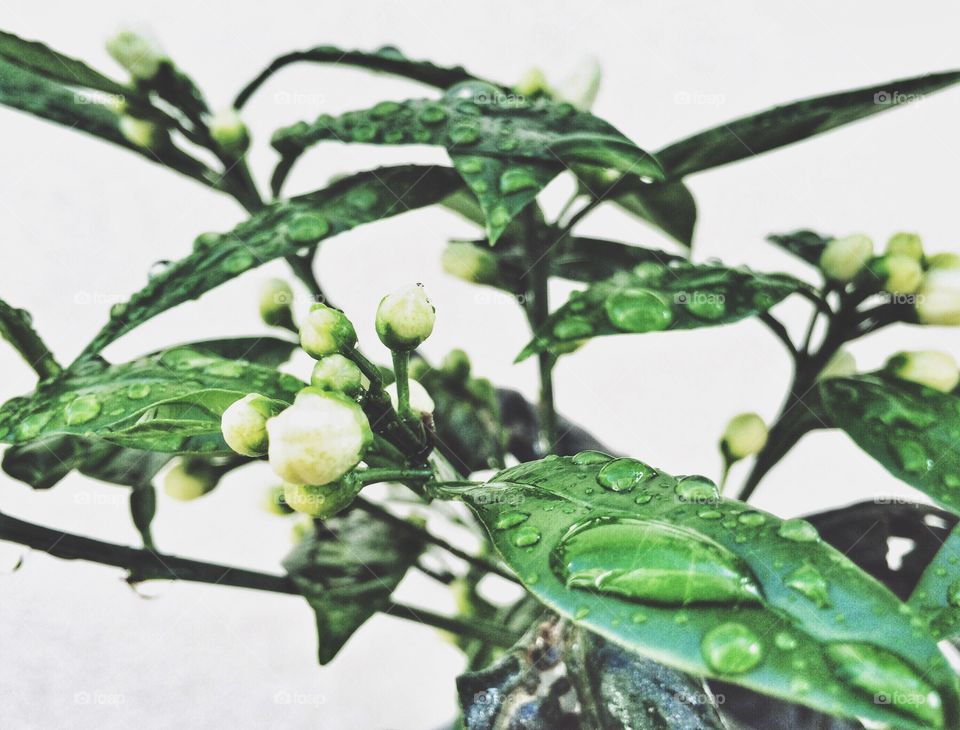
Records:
x=646, y=596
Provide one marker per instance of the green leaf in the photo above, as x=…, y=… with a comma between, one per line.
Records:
x=937, y=594
x=910, y=429
x=347, y=569
x=505, y=149
x=594, y=259
x=169, y=402
x=268, y=351
x=385, y=60
x=711, y=587
x=655, y=297
x=783, y=125
x=281, y=229
x=804, y=244
x=16, y=327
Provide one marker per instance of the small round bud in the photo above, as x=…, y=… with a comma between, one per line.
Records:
x=902, y=273
x=244, y=424
x=339, y=374
x=140, y=132
x=944, y=261
x=744, y=436
x=841, y=365
x=405, y=318
x=905, y=244
x=581, y=87
x=420, y=400
x=532, y=83
x=469, y=262
x=229, y=131
x=457, y=365
x=325, y=331
x=318, y=439
x=938, y=300
x=276, y=296
x=139, y=54
x=483, y=390
x=844, y=258
x=185, y=481
x=935, y=369
x=321, y=502
x=275, y=503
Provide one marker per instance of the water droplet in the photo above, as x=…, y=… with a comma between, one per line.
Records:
x=697, y=489
x=953, y=594
x=205, y=241
x=464, y=133
x=118, y=310
x=82, y=409
x=785, y=641
x=385, y=109
x=652, y=562
x=363, y=198
x=225, y=369
x=585, y=458
x=510, y=519
x=432, y=114
x=238, y=261
x=877, y=672
x=473, y=90
x=363, y=131
x=470, y=165
x=515, y=180
x=581, y=613
x=572, y=328
x=731, y=648
x=809, y=582
x=499, y=217
x=526, y=536
x=798, y=531
x=136, y=391
x=912, y=457
x=799, y=685
x=709, y=514
x=643, y=498
x=30, y=426
x=752, y=519
x=704, y=304
x=639, y=618
x=622, y=475
x=308, y=228
x=638, y=310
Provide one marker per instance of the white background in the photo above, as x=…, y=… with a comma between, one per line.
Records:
x=82, y=222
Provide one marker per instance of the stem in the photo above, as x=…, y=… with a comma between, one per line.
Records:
x=776, y=326
x=401, y=362
x=386, y=474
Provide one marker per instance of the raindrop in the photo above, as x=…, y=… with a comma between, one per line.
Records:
x=697, y=489
x=118, y=310
x=238, y=261
x=709, y=514
x=638, y=310
x=510, y=519
x=309, y=227
x=785, y=641
x=731, y=648
x=585, y=458
x=953, y=594
x=363, y=131
x=798, y=530
x=82, y=410
x=470, y=165
x=32, y=425
x=572, y=328
x=622, y=475
x=432, y=114
x=705, y=305
x=225, y=369
x=515, y=180
x=809, y=582
x=363, y=198
x=499, y=217
x=385, y=109
x=752, y=519
x=158, y=268
x=526, y=536
x=464, y=133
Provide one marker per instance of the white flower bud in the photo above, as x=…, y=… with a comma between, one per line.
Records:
x=184, y=484
x=229, y=131
x=405, y=318
x=276, y=296
x=935, y=369
x=841, y=365
x=903, y=273
x=469, y=262
x=140, y=132
x=581, y=87
x=944, y=261
x=139, y=54
x=325, y=331
x=244, y=425
x=744, y=436
x=532, y=83
x=339, y=374
x=320, y=502
x=456, y=364
x=938, y=301
x=844, y=258
x=420, y=400
x=318, y=439
x=905, y=244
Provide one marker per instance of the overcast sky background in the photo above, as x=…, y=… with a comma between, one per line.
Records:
x=84, y=221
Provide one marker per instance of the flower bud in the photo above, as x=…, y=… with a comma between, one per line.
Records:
x=902, y=273
x=469, y=262
x=141, y=132
x=276, y=296
x=841, y=365
x=532, y=83
x=229, y=131
x=139, y=54
x=457, y=365
x=844, y=258
x=938, y=301
x=244, y=424
x=405, y=318
x=744, y=436
x=339, y=374
x=581, y=87
x=185, y=482
x=318, y=439
x=325, y=331
x=944, y=261
x=935, y=369
x=420, y=400
x=321, y=502
x=275, y=503
x=905, y=244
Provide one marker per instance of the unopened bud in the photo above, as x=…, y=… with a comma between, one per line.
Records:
x=244, y=424
x=744, y=436
x=902, y=273
x=457, y=365
x=844, y=258
x=938, y=300
x=321, y=502
x=185, y=482
x=470, y=262
x=139, y=54
x=337, y=373
x=276, y=296
x=581, y=87
x=532, y=83
x=405, y=318
x=141, y=132
x=325, y=331
x=905, y=244
x=935, y=369
x=229, y=131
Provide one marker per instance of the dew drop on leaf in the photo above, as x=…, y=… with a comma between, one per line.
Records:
x=810, y=583
x=798, y=531
x=731, y=648
x=470, y=165
x=585, y=458
x=572, y=328
x=705, y=305
x=710, y=514
x=32, y=425
x=752, y=519
x=82, y=410
x=912, y=457
x=638, y=310
x=363, y=198
x=364, y=132
x=785, y=641
x=499, y=217
x=953, y=594
x=622, y=475
x=516, y=179
x=697, y=489
x=224, y=369
x=526, y=536
x=510, y=519
x=238, y=261
x=308, y=228
x=464, y=133
x=432, y=114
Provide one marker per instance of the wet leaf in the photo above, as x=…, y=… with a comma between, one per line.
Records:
x=804, y=244
x=937, y=595
x=16, y=327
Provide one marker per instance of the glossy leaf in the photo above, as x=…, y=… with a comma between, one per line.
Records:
x=169, y=402
x=804, y=244
x=783, y=125
x=347, y=569
x=16, y=327
x=656, y=297
x=593, y=259
x=937, y=595
x=910, y=429
x=506, y=150
x=281, y=229
x=711, y=587
x=268, y=351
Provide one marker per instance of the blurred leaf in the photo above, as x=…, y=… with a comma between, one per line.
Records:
x=143, y=508
x=659, y=297
x=347, y=569
x=593, y=259
x=807, y=245
x=16, y=327
x=937, y=595
x=267, y=351
x=783, y=125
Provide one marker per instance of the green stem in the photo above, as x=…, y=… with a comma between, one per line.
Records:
x=401, y=363
x=387, y=474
